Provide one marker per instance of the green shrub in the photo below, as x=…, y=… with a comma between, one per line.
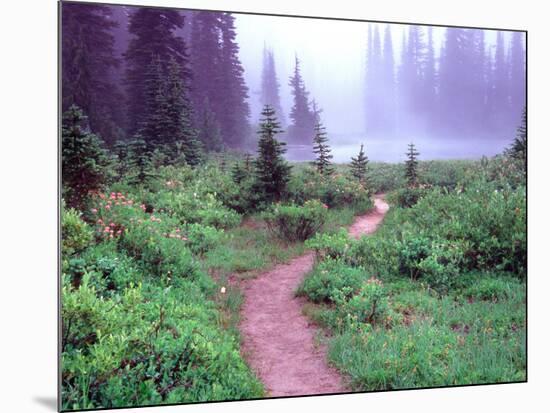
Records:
x=332, y=280
x=76, y=234
x=331, y=246
x=407, y=197
x=370, y=305
x=147, y=347
x=202, y=238
x=336, y=191
x=491, y=289
x=296, y=223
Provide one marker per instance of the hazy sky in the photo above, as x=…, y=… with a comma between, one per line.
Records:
x=332, y=55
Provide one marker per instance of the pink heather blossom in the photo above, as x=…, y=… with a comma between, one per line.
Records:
x=107, y=206
x=107, y=229
x=183, y=239
x=177, y=230
x=130, y=202
x=94, y=211
x=111, y=236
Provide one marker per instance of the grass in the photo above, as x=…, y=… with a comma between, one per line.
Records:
x=439, y=341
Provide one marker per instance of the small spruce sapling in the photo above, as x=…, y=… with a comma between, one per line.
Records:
x=272, y=171
x=359, y=167
x=322, y=149
x=84, y=161
x=411, y=166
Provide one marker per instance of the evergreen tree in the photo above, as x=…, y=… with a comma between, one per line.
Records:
x=238, y=173
x=518, y=149
x=155, y=125
x=88, y=66
x=248, y=163
x=270, y=85
x=411, y=166
x=84, y=161
x=322, y=149
x=300, y=114
x=388, y=85
x=272, y=171
x=517, y=73
x=140, y=161
x=153, y=42
x=218, y=77
x=209, y=133
x=234, y=123
x=359, y=167
x=180, y=131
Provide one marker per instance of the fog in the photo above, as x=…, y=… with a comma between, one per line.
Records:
x=333, y=62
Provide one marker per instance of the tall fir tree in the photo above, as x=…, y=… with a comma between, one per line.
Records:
x=411, y=166
x=322, y=150
x=218, y=77
x=517, y=73
x=83, y=159
x=388, y=84
x=235, y=122
x=153, y=37
x=270, y=86
x=375, y=112
x=518, y=149
x=180, y=130
x=209, y=133
x=272, y=171
x=89, y=65
x=301, y=116
x=359, y=167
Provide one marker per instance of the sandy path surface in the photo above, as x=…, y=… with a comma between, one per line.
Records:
x=278, y=340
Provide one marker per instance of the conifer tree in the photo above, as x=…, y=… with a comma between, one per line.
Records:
x=140, y=161
x=303, y=120
x=411, y=166
x=84, y=161
x=154, y=38
x=270, y=85
x=248, y=163
x=89, y=64
x=272, y=171
x=322, y=149
x=155, y=126
x=209, y=133
x=518, y=149
x=359, y=167
x=238, y=173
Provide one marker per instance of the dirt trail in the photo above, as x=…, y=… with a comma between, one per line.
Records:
x=278, y=340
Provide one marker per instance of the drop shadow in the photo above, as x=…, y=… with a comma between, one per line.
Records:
x=48, y=402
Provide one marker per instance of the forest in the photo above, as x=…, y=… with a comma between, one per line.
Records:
x=189, y=232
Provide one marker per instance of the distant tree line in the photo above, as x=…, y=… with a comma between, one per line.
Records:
x=468, y=90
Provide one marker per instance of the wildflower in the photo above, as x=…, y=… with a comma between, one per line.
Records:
x=107, y=207
x=94, y=211
x=107, y=229
x=222, y=290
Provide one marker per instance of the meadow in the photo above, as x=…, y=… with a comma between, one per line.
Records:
x=153, y=254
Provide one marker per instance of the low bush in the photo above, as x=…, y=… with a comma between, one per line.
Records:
x=135, y=350
x=370, y=305
x=491, y=289
x=76, y=234
x=331, y=246
x=332, y=280
x=406, y=197
x=292, y=222
x=336, y=191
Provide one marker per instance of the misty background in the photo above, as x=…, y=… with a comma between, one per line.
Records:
x=455, y=93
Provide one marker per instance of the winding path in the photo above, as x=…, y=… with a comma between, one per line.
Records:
x=278, y=340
